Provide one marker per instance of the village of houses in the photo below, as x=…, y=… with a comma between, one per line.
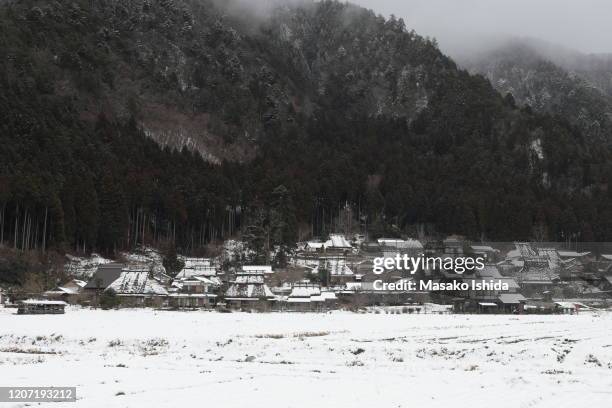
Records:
x=336, y=274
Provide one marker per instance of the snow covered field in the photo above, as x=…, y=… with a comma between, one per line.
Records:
x=146, y=358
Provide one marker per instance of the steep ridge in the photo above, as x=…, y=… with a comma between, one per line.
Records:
x=286, y=118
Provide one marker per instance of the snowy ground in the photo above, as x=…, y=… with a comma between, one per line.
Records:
x=145, y=358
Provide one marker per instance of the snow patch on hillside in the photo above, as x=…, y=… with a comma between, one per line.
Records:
x=83, y=267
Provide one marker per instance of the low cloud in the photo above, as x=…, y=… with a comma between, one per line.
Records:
x=462, y=25
x=257, y=9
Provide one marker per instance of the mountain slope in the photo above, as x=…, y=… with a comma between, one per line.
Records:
x=551, y=80
x=194, y=76
x=292, y=116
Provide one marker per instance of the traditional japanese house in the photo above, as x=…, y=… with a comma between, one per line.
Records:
x=390, y=247
x=196, y=285
x=334, y=270
x=135, y=287
x=569, y=307
x=68, y=292
x=202, y=267
x=337, y=244
x=194, y=292
x=304, y=297
x=248, y=289
x=535, y=279
x=511, y=302
x=484, y=288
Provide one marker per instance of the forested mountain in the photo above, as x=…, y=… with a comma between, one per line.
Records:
x=162, y=121
x=552, y=80
x=595, y=69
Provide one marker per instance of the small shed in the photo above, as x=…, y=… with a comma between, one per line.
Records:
x=512, y=302
x=564, y=307
x=487, y=307
x=33, y=306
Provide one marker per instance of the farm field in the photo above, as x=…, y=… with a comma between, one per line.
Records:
x=147, y=358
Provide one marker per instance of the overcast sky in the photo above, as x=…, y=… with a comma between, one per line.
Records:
x=584, y=25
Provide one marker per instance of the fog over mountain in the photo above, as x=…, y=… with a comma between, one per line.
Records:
x=469, y=25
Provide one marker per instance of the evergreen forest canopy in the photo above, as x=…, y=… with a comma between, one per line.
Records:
x=159, y=121
x=550, y=80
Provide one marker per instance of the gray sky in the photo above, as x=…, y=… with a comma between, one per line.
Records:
x=584, y=25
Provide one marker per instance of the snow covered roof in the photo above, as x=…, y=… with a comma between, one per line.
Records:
x=572, y=254
x=200, y=270
x=304, y=289
x=136, y=267
x=245, y=278
x=317, y=298
x=549, y=253
x=483, y=248
x=198, y=280
x=523, y=249
x=62, y=290
x=327, y=295
x=511, y=298
x=79, y=283
x=248, y=290
x=514, y=253
x=256, y=269
x=400, y=243
x=215, y=280
x=249, y=283
x=335, y=267
x=538, y=276
x=315, y=244
x=518, y=263
x=137, y=283
x=453, y=240
x=390, y=242
x=570, y=305
x=43, y=302
x=192, y=295
x=608, y=257
x=195, y=263
x=337, y=241
x=353, y=286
